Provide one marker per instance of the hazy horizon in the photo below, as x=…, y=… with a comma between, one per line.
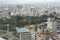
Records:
x=27, y=1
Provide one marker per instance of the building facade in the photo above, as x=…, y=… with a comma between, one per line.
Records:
x=54, y=22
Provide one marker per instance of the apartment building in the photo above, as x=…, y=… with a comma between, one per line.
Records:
x=30, y=10
x=4, y=14
x=54, y=23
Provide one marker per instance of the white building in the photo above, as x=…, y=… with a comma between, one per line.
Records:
x=4, y=14
x=2, y=38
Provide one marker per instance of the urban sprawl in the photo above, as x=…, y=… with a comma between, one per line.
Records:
x=30, y=22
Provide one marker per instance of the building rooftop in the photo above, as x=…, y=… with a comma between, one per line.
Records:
x=43, y=34
x=20, y=30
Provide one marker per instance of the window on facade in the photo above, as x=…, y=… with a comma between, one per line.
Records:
x=58, y=28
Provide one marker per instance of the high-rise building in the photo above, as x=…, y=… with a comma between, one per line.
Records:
x=54, y=22
x=4, y=14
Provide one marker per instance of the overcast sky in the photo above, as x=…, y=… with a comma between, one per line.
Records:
x=26, y=1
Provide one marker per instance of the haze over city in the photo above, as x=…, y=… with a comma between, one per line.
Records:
x=26, y=1
x=29, y=19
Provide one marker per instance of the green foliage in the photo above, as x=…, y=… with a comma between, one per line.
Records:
x=21, y=21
